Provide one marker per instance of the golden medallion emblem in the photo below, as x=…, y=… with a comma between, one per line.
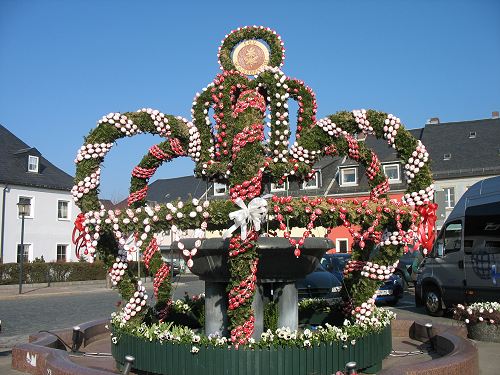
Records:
x=250, y=57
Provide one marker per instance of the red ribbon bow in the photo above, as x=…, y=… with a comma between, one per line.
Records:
x=78, y=235
x=426, y=229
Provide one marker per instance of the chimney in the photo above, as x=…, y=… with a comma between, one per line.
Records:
x=433, y=120
x=495, y=114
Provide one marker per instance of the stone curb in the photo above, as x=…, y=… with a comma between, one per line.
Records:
x=102, y=282
x=459, y=355
x=55, y=284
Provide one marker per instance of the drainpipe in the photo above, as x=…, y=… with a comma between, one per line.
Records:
x=2, y=229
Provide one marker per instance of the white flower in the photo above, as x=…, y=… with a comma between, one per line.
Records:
x=480, y=318
x=307, y=333
x=114, y=340
x=467, y=321
x=196, y=338
x=353, y=342
x=307, y=343
x=195, y=349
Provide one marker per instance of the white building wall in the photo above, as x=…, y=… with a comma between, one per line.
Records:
x=43, y=230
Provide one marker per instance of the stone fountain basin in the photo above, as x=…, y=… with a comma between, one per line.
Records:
x=277, y=263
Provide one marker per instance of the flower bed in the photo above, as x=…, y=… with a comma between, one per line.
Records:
x=481, y=319
x=167, y=349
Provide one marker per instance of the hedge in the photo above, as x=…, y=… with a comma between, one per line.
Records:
x=40, y=272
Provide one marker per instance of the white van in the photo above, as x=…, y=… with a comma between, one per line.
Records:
x=463, y=264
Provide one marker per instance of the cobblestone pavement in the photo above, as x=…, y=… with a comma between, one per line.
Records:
x=56, y=307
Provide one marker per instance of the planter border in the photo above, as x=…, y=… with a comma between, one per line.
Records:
x=483, y=331
x=327, y=358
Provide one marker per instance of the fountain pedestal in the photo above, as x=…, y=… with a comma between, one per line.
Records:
x=277, y=265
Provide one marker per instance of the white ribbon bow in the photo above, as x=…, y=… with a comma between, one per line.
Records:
x=254, y=214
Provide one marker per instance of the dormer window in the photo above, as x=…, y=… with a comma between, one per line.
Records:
x=278, y=187
x=360, y=137
x=33, y=164
x=219, y=189
x=472, y=135
x=313, y=183
x=392, y=173
x=446, y=156
x=349, y=176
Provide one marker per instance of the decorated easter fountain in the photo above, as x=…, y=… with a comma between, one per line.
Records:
x=256, y=247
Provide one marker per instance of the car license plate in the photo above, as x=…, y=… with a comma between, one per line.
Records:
x=384, y=292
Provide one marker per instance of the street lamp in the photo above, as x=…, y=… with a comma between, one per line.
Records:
x=24, y=209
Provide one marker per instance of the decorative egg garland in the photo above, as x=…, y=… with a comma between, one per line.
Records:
x=213, y=148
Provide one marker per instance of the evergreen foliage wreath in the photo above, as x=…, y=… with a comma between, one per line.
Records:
x=234, y=151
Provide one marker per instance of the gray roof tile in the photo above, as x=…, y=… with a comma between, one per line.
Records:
x=14, y=165
x=469, y=156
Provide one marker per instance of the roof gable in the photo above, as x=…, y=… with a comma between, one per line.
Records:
x=14, y=155
x=166, y=190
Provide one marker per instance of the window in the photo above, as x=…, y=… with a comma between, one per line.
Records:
x=219, y=189
x=313, y=183
x=342, y=245
x=276, y=187
x=453, y=237
x=26, y=200
x=446, y=156
x=449, y=197
x=25, y=252
x=61, y=253
x=33, y=164
x=449, y=240
x=392, y=172
x=348, y=176
x=62, y=210
x=482, y=232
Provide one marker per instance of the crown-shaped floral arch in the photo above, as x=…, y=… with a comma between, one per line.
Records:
x=234, y=150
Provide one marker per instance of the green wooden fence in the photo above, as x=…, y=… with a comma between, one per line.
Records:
x=174, y=359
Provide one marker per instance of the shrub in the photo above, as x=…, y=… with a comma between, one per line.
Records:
x=41, y=272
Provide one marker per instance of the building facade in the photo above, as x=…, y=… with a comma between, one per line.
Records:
x=462, y=153
x=27, y=177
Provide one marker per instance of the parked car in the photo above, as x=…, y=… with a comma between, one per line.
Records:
x=335, y=263
x=405, y=268
x=464, y=262
x=390, y=292
x=175, y=266
x=319, y=284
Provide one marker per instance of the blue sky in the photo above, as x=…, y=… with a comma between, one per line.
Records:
x=63, y=64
